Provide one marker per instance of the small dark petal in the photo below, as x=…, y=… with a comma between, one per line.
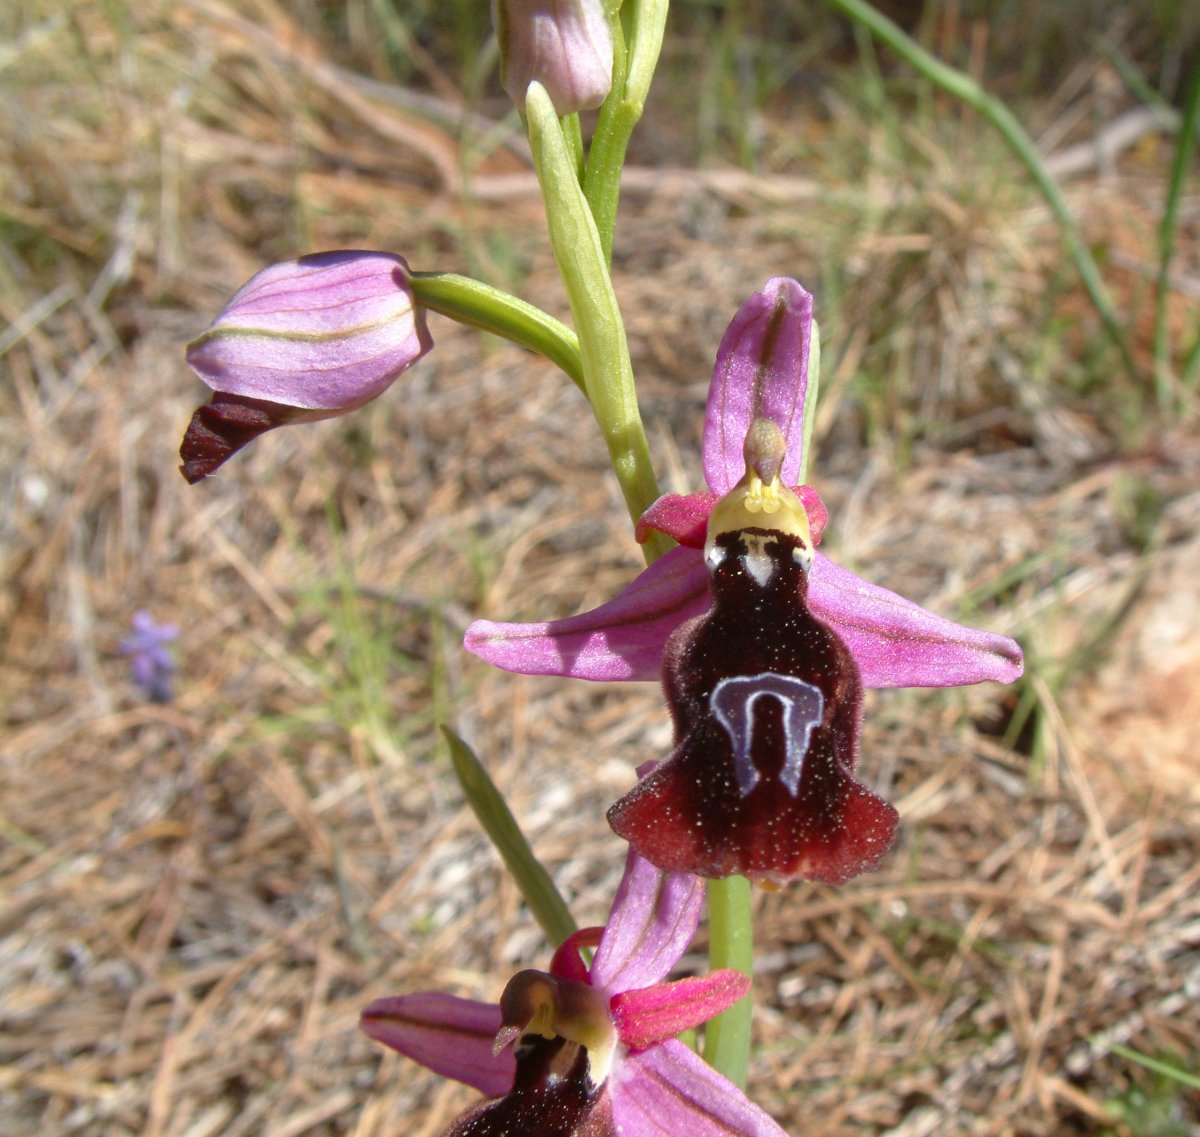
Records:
x=552, y=1096
x=220, y=428
x=765, y=789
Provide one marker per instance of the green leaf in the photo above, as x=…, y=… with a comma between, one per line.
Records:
x=489, y=806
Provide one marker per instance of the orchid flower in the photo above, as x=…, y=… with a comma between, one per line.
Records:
x=589, y=1052
x=764, y=644
x=302, y=340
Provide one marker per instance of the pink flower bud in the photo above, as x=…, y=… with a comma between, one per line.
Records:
x=565, y=45
x=305, y=339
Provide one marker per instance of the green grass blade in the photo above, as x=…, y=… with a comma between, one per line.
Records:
x=964, y=88
x=1185, y=148
x=1167, y=1069
x=486, y=802
x=1191, y=367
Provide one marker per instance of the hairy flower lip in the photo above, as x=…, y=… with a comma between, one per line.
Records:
x=766, y=705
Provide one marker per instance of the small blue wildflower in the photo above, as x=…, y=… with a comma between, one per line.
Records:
x=151, y=659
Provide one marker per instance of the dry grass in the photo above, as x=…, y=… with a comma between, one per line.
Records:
x=198, y=898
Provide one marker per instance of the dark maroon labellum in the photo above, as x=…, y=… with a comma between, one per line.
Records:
x=766, y=702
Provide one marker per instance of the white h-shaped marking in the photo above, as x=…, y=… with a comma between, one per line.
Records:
x=733, y=701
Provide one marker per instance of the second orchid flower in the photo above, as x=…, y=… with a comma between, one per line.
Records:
x=585, y=1051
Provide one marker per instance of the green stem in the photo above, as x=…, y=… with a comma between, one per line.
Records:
x=1185, y=147
x=633, y=69
x=730, y=944
x=604, y=350
x=968, y=91
x=481, y=306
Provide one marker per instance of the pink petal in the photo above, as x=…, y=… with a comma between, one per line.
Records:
x=667, y=1091
x=818, y=515
x=622, y=639
x=683, y=518
x=655, y=1014
x=653, y=920
x=897, y=643
x=447, y=1035
x=761, y=372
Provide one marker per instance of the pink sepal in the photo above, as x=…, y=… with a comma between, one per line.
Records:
x=897, y=643
x=761, y=372
x=448, y=1035
x=669, y=1089
x=653, y=919
x=622, y=639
